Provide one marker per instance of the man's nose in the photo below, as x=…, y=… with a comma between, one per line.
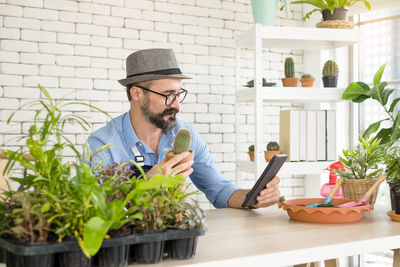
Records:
x=176, y=104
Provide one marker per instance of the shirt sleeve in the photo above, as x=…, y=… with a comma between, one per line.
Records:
x=206, y=176
x=95, y=144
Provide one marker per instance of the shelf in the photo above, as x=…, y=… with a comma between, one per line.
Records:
x=289, y=168
x=292, y=94
x=297, y=37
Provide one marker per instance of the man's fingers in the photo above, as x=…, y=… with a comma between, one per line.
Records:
x=274, y=181
x=182, y=167
x=178, y=158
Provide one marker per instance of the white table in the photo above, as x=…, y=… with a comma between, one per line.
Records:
x=268, y=237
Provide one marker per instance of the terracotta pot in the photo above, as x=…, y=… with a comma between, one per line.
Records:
x=269, y=154
x=307, y=82
x=251, y=155
x=290, y=81
x=338, y=14
x=169, y=155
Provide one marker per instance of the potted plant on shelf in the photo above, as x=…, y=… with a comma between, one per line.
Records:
x=307, y=80
x=392, y=171
x=251, y=152
x=362, y=169
x=330, y=74
x=272, y=150
x=289, y=80
x=334, y=13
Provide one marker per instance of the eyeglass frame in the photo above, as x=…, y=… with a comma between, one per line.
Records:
x=181, y=91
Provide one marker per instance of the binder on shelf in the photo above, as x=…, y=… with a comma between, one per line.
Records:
x=303, y=135
x=289, y=133
x=311, y=135
x=331, y=135
x=321, y=134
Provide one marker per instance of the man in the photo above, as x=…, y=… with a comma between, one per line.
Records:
x=154, y=90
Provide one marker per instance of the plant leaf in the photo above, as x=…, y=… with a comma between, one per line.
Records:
x=378, y=75
x=356, y=90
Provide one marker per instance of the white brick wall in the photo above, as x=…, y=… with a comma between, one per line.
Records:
x=77, y=49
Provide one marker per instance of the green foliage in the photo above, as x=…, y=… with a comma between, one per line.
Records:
x=182, y=141
x=358, y=92
x=188, y=216
x=330, y=69
x=273, y=146
x=251, y=148
x=392, y=162
x=329, y=4
x=306, y=76
x=289, y=67
x=362, y=162
x=282, y=199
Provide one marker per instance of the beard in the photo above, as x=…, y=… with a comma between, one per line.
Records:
x=157, y=119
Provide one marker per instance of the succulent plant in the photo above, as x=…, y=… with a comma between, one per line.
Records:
x=289, y=67
x=273, y=146
x=251, y=148
x=182, y=141
x=330, y=69
x=306, y=76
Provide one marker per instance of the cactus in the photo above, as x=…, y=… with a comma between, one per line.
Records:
x=272, y=146
x=330, y=69
x=306, y=76
x=182, y=141
x=251, y=148
x=289, y=67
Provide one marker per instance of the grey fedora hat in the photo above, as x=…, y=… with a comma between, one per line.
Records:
x=151, y=64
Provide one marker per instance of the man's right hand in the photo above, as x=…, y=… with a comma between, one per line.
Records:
x=177, y=165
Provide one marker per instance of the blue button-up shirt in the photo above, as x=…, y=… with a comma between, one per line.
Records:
x=206, y=177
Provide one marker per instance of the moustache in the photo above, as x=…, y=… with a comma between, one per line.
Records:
x=169, y=111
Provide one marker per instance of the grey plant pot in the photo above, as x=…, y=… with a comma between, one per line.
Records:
x=330, y=81
x=338, y=14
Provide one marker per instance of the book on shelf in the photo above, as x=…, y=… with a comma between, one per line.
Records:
x=321, y=134
x=311, y=135
x=289, y=133
x=330, y=135
x=303, y=135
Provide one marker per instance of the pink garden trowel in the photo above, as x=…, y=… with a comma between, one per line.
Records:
x=365, y=198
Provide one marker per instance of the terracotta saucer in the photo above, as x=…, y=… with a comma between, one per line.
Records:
x=297, y=210
x=393, y=216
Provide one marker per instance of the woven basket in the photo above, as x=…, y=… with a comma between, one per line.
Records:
x=337, y=24
x=355, y=189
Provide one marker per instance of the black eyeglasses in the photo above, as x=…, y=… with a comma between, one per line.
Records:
x=170, y=98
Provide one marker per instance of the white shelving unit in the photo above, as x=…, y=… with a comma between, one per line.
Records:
x=309, y=39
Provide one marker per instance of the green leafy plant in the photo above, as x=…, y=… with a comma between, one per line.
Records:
x=329, y=4
x=392, y=162
x=188, y=216
x=358, y=92
x=363, y=161
x=330, y=69
x=289, y=67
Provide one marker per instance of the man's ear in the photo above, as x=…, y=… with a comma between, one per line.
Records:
x=136, y=93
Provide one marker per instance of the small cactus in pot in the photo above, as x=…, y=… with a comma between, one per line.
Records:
x=272, y=150
x=307, y=80
x=182, y=142
x=330, y=74
x=289, y=80
x=251, y=152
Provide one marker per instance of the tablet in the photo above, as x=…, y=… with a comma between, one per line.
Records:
x=268, y=174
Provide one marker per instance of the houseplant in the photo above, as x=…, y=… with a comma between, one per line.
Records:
x=289, y=80
x=330, y=74
x=392, y=171
x=272, y=149
x=362, y=168
x=307, y=80
x=251, y=152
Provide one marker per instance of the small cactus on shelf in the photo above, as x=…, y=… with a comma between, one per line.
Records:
x=330, y=69
x=272, y=146
x=182, y=141
x=289, y=67
x=251, y=148
x=304, y=76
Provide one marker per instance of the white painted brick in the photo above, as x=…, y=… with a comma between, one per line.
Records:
x=209, y=79
x=106, y=85
x=166, y=7
x=22, y=23
x=201, y=127
x=18, y=46
x=195, y=108
x=181, y=38
x=229, y=118
x=221, y=148
x=58, y=26
x=243, y=17
x=92, y=94
x=24, y=69
x=118, y=53
x=71, y=38
x=91, y=29
x=195, y=49
x=9, y=56
x=185, y=58
x=221, y=14
x=209, y=60
x=229, y=137
x=139, y=24
x=31, y=58
x=107, y=2
x=57, y=93
x=78, y=83
x=212, y=138
x=106, y=41
x=185, y=2
x=37, y=13
x=233, y=6
x=124, y=33
x=220, y=108
x=118, y=96
x=224, y=52
x=209, y=3
x=228, y=99
x=75, y=61
x=126, y=12
x=195, y=30
x=210, y=41
x=201, y=118
x=22, y=92
x=56, y=71
x=188, y=117
x=116, y=74
x=185, y=20
x=211, y=22
x=61, y=5
x=222, y=33
x=58, y=49
x=90, y=73
x=90, y=51
x=222, y=70
x=194, y=68
x=9, y=33
x=143, y=4
x=42, y=80
x=108, y=106
x=30, y=3
x=168, y=27
x=10, y=80
x=196, y=11
x=156, y=16
x=12, y=127
x=38, y=36
x=222, y=128
x=11, y=10
x=106, y=63
x=108, y=21
x=298, y=191
x=94, y=9
x=138, y=44
x=76, y=17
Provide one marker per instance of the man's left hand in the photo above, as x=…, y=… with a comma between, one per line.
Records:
x=270, y=195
